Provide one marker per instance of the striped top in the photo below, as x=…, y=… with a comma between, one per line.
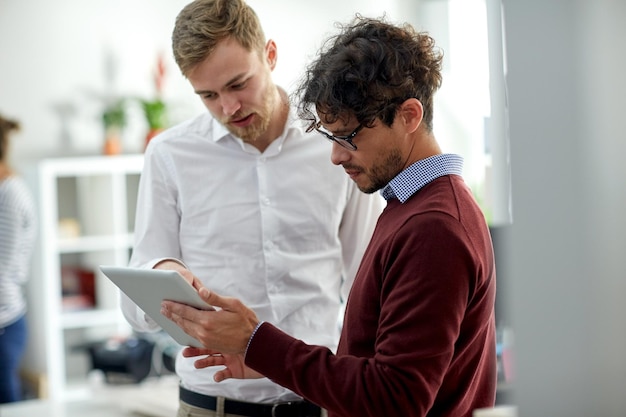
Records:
x=18, y=224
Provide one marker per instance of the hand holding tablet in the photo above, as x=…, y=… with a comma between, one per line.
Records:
x=149, y=287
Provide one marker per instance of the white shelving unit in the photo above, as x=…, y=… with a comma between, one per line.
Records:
x=98, y=196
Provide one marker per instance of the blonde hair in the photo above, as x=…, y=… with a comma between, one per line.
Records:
x=203, y=23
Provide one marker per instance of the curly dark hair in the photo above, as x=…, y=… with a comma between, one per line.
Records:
x=368, y=70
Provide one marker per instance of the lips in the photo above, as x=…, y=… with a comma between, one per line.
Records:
x=246, y=121
x=352, y=173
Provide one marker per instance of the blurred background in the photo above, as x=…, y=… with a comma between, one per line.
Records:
x=66, y=62
x=532, y=98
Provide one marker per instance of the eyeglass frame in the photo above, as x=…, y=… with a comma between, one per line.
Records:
x=344, y=141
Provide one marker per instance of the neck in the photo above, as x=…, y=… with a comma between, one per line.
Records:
x=422, y=147
x=280, y=112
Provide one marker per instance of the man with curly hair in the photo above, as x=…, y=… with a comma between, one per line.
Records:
x=245, y=199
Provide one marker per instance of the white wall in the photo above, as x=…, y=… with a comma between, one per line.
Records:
x=63, y=58
x=566, y=84
x=55, y=54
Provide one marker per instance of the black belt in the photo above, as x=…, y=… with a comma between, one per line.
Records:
x=242, y=408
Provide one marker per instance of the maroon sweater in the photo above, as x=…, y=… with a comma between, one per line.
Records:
x=419, y=334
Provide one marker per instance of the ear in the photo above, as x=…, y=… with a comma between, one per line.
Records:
x=271, y=54
x=411, y=113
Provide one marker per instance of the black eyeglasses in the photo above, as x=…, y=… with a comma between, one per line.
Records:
x=344, y=141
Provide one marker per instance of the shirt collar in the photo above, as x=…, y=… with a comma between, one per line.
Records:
x=420, y=173
x=220, y=131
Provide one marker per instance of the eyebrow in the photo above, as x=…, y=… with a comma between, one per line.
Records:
x=341, y=132
x=237, y=78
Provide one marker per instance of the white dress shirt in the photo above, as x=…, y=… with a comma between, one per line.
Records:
x=283, y=230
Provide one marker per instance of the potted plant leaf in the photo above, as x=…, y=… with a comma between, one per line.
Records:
x=155, y=110
x=114, y=121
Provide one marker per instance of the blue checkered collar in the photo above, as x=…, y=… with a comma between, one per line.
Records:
x=420, y=173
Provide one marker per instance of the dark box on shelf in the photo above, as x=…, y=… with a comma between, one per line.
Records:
x=122, y=361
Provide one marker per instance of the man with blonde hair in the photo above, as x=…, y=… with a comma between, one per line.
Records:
x=244, y=199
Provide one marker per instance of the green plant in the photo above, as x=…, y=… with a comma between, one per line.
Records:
x=114, y=115
x=155, y=112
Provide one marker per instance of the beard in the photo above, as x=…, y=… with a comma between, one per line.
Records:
x=251, y=133
x=383, y=171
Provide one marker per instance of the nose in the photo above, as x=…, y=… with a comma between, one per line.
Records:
x=339, y=154
x=230, y=104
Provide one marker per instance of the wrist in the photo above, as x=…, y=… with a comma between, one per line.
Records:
x=256, y=328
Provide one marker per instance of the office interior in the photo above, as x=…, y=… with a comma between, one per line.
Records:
x=531, y=98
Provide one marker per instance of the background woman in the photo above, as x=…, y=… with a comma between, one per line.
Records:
x=17, y=238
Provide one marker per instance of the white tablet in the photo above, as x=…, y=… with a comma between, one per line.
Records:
x=149, y=287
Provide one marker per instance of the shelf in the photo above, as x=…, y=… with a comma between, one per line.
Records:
x=77, y=390
x=94, y=165
x=86, y=219
x=94, y=243
x=89, y=318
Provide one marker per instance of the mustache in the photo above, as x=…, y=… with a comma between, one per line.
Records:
x=237, y=116
x=349, y=167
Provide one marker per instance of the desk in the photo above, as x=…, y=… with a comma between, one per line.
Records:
x=153, y=397
x=497, y=411
x=78, y=408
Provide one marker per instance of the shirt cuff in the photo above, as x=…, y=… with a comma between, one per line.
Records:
x=154, y=262
x=251, y=337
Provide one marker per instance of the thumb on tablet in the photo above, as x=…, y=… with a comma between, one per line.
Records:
x=214, y=299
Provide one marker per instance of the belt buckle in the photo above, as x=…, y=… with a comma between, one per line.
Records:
x=277, y=406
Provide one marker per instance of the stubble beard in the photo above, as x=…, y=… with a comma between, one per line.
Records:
x=251, y=133
x=381, y=173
